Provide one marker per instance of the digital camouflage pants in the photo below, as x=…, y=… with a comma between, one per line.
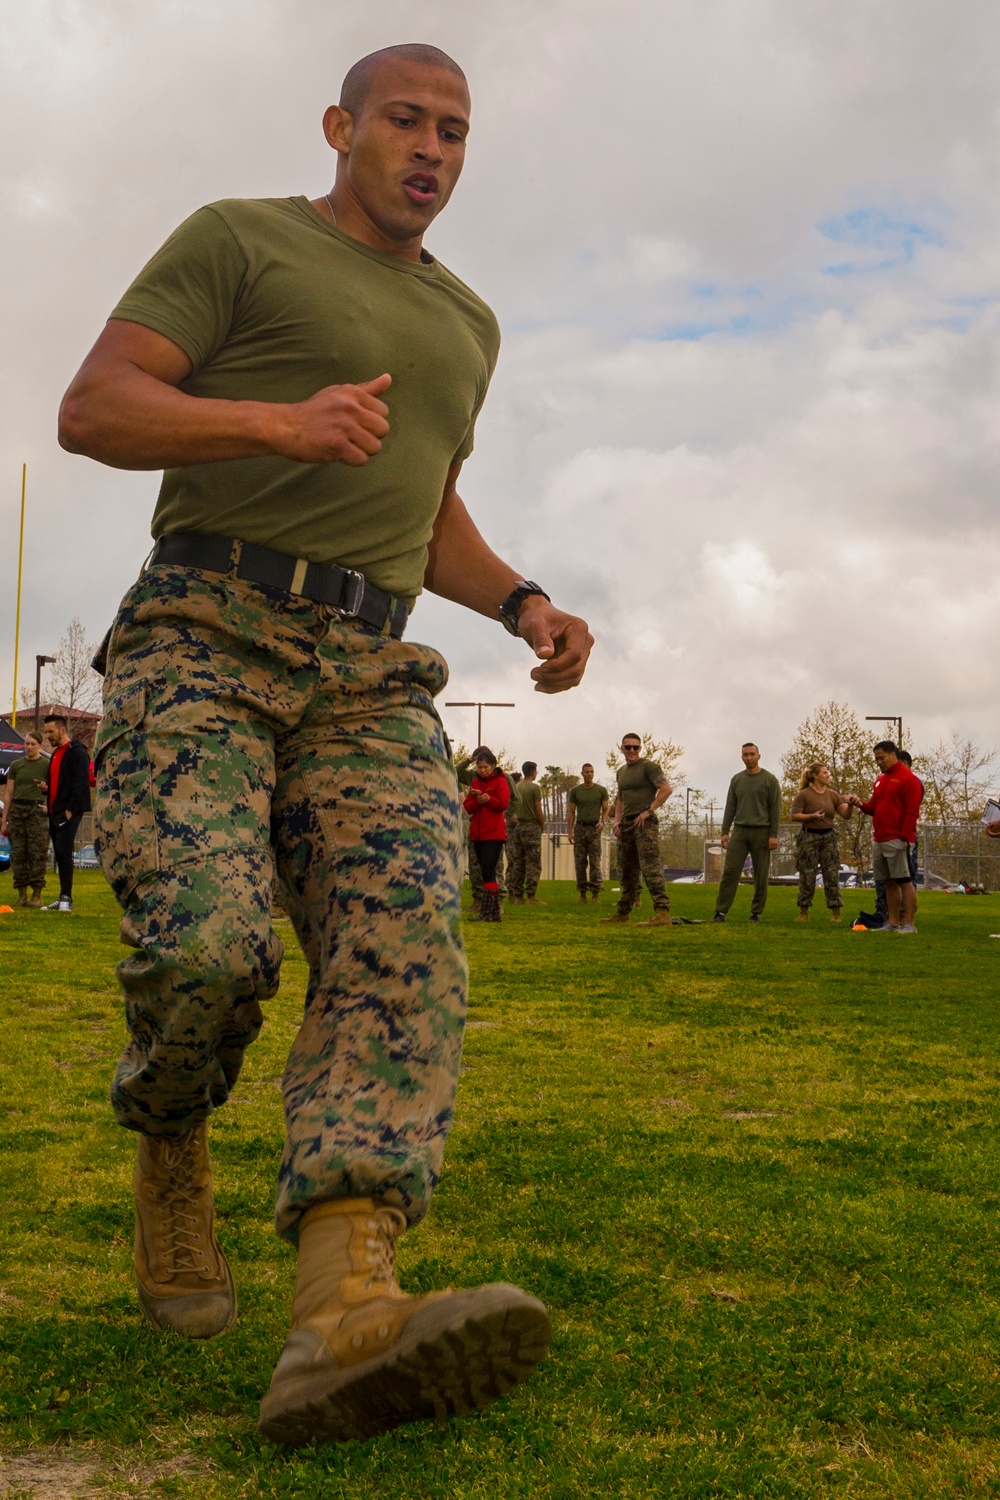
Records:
x=240, y=720
x=638, y=860
x=818, y=851
x=28, y=823
x=587, y=857
x=524, y=859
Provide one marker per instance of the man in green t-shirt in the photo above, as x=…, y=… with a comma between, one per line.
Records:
x=308, y=377
x=642, y=788
x=585, y=818
x=524, y=842
x=753, y=808
x=25, y=820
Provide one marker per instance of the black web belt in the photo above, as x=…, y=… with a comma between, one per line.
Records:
x=343, y=589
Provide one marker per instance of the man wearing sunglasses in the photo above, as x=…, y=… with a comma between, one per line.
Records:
x=642, y=788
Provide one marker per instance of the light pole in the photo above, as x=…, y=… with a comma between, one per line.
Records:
x=474, y=703
x=711, y=820
x=889, y=719
x=40, y=662
x=687, y=824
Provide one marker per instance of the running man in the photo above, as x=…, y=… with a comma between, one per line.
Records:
x=309, y=378
x=642, y=789
x=585, y=819
x=753, y=810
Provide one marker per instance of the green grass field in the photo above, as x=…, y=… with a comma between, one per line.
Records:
x=755, y=1173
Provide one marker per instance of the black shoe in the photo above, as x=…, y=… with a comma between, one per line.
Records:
x=720, y=916
x=754, y=917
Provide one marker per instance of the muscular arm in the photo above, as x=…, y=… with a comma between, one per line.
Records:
x=123, y=408
x=8, y=792
x=463, y=568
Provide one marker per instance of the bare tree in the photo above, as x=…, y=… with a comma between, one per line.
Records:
x=955, y=787
x=74, y=683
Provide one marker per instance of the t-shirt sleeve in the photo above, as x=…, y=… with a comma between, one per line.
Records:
x=188, y=291
x=799, y=802
x=654, y=773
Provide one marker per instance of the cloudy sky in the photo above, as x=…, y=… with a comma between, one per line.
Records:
x=745, y=257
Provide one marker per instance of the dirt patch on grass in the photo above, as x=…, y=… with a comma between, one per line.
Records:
x=71, y=1474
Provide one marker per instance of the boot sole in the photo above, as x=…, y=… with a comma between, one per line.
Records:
x=454, y=1357
x=171, y=1314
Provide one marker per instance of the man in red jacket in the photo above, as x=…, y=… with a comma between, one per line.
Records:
x=893, y=808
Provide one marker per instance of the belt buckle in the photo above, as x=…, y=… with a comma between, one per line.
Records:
x=357, y=580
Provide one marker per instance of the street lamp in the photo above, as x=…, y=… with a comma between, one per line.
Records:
x=474, y=703
x=889, y=719
x=40, y=662
x=687, y=824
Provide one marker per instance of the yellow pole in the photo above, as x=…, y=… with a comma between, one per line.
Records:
x=17, y=616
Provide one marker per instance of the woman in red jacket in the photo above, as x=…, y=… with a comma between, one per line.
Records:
x=488, y=796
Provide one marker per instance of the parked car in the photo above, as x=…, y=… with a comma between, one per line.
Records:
x=4, y=853
x=86, y=859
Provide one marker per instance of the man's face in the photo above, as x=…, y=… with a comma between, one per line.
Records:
x=403, y=152
x=631, y=749
x=587, y=772
x=885, y=760
x=750, y=756
x=56, y=734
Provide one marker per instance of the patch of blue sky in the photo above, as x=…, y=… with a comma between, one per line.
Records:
x=892, y=238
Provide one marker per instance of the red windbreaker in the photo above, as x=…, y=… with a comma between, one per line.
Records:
x=894, y=805
x=488, y=821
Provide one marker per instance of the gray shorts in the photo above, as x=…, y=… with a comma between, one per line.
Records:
x=892, y=860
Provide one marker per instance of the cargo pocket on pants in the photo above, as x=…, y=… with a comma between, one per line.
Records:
x=125, y=836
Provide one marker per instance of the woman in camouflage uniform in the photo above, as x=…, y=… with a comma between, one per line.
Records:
x=814, y=809
x=25, y=820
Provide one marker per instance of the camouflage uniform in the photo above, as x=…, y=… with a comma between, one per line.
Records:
x=239, y=717
x=639, y=859
x=524, y=859
x=28, y=823
x=812, y=850
x=587, y=851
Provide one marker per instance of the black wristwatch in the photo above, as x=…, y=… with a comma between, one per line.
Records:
x=511, y=606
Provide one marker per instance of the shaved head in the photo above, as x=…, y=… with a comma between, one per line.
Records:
x=354, y=90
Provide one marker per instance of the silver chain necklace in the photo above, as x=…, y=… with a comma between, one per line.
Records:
x=329, y=205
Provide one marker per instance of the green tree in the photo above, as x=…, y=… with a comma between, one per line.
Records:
x=835, y=736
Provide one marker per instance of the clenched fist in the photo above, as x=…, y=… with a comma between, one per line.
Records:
x=340, y=424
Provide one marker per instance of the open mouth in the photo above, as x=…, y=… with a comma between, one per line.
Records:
x=421, y=187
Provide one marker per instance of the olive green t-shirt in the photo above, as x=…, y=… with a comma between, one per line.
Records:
x=527, y=798
x=811, y=801
x=637, y=786
x=27, y=776
x=588, y=801
x=271, y=303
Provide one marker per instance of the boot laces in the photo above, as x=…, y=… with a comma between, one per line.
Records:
x=382, y=1231
x=179, y=1241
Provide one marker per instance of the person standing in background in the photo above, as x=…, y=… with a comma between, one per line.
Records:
x=814, y=808
x=68, y=800
x=642, y=789
x=486, y=803
x=881, y=905
x=893, y=807
x=25, y=820
x=524, y=858
x=753, y=809
x=585, y=818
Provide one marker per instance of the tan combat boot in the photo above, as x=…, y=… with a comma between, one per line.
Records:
x=185, y=1284
x=618, y=916
x=363, y=1357
x=658, y=919
x=36, y=896
x=22, y=897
